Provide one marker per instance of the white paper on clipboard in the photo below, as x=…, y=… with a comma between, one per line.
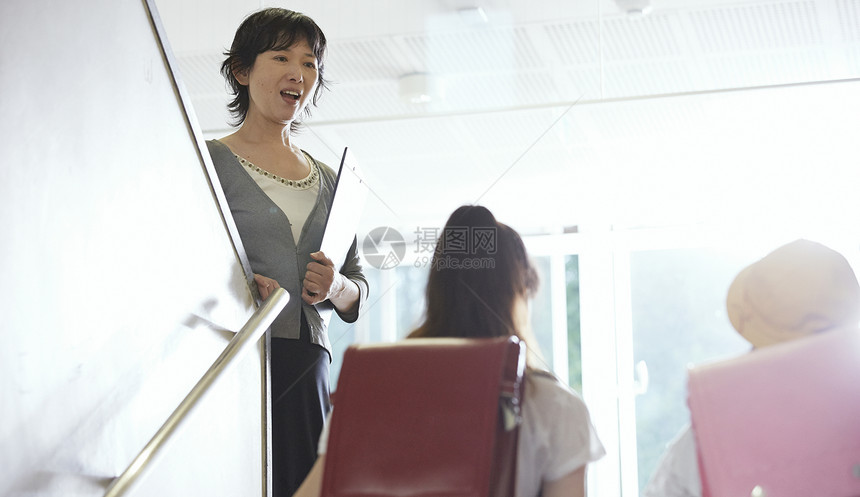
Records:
x=350, y=194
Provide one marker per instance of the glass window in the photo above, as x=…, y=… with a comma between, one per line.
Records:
x=411, y=285
x=541, y=313
x=555, y=317
x=574, y=345
x=678, y=319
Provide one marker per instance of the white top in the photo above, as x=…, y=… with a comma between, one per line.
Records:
x=556, y=436
x=295, y=197
x=677, y=474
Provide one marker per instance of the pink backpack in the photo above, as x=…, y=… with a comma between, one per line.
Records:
x=781, y=421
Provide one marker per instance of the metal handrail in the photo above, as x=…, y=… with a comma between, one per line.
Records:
x=246, y=337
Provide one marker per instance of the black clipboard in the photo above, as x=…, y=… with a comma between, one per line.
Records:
x=348, y=199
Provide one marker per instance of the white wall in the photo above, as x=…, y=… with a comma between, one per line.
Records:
x=120, y=284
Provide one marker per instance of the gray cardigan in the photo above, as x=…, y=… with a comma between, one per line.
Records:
x=272, y=252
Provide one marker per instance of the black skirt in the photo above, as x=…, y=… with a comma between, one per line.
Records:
x=300, y=402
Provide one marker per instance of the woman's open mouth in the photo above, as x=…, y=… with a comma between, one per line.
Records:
x=291, y=94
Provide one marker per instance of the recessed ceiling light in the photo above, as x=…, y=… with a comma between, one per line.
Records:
x=634, y=7
x=473, y=16
x=417, y=88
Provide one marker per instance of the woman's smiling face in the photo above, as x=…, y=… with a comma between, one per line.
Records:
x=281, y=83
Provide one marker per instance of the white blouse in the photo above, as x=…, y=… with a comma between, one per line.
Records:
x=296, y=198
x=556, y=437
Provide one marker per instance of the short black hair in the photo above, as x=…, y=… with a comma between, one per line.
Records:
x=264, y=30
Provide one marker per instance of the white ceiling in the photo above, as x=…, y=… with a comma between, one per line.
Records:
x=560, y=113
